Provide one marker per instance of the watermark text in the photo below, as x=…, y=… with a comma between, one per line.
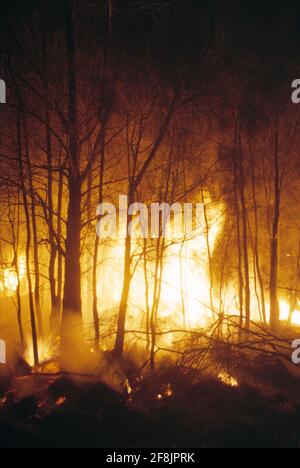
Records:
x=2, y=352
x=2, y=92
x=296, y=93
x=139, y=221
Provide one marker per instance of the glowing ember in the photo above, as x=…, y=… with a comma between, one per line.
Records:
x=61, y=401
x=227, y=379
x=167, y=392
x=128, y=387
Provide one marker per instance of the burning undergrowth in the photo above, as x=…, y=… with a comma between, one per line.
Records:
x=173, y=406
x=217, y=387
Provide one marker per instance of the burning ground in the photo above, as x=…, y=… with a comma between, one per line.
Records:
x=247, y=398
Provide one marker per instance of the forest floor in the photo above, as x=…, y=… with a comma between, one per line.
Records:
x=172, y=408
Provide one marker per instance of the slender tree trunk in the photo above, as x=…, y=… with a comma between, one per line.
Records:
x=56, y=268
x=239, y=247
x=274, y=306
x=28, y=246
x=182, y=275
x=158, y=272
x=153, y=314
x=97, y=245
x=16, y=264
x=55, y=312
x=119, y=344
x=255, y=245
x=211, y=276
x=55, y=307
x=147, y=297
x=158, y=276
x=245, y=234
x=60, y=256
x=35, y=237
x=19, y=310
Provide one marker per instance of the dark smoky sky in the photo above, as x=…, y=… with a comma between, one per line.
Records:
x=253, y=23
x=244, y=35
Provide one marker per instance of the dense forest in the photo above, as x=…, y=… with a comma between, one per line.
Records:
x=179, y=102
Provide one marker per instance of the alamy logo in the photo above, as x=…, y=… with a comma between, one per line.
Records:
x=296, y=92
x=175, y=221
x=2, y=352
x=296, y=353
x=2, y=92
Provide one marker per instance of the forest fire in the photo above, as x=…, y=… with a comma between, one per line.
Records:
x=11, y=277
x=227, y=379
x=47, y=355
x=179, y=308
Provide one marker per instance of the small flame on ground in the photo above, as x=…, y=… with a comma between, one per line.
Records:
x=128, y=387
x=285, y=312
x=9, y=282
x=167, y=392
x=227, y=379
x=61, y=401
x=46, y=354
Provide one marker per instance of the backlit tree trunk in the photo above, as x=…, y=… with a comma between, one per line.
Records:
x=28, y=245
x=120, y=338
x=71, y=326
x=274, y=306
x=35, y=238
x=245, y=232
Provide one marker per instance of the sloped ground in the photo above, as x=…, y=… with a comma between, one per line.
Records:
x=170, y=408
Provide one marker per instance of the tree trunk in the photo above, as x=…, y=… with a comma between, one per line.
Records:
x=97, y=244
x=16, y=264
x=145, y=263
x=274, y=306
x=239, y=246
x=60, y=256
x=119, y=344
x=71, y=326
x=245, y=233
x=158, y=276
x=211, y=275
x=28, y=246
x=255, y=245
x=55, y=312
x=35, y=238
